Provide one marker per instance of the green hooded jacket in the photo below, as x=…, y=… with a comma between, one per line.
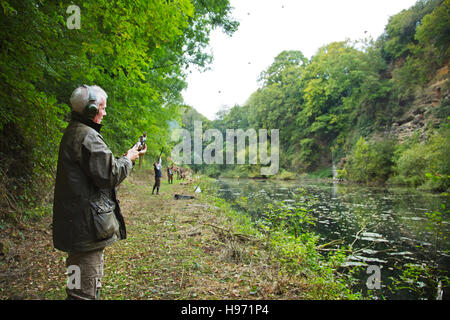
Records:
x=86, y=212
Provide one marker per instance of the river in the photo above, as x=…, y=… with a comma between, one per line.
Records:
x=393, y=232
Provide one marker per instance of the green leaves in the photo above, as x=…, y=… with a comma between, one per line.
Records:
x=370, y=162
x=401, y=29
x=434, y=29
x=283, y=63
x=135, y=50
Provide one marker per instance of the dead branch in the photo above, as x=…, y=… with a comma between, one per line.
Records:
x=231, y=234
x=337, y=241
x=356, y=236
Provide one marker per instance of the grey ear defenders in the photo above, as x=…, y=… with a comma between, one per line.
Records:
x=91, y=109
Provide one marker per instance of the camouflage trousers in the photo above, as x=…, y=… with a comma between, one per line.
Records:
x=90, y=267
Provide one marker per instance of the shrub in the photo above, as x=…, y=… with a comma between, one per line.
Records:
x=420, y=159
x=370, y=162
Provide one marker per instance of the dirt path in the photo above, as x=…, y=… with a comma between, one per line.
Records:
x=176, y=249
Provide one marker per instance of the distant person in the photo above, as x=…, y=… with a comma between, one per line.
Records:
x=158, y=174
x=141, y=146
x=86, y=213
x=141, y=142
x=170, y=174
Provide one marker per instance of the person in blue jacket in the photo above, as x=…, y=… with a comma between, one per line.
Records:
x=158, y=174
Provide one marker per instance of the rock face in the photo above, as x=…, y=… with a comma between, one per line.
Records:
x=420, y=117
x=409, y=125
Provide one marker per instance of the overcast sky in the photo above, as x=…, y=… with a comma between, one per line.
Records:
x=268, y=27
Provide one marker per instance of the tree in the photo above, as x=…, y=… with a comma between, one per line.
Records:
x=435, y=29
x=401, y=29
x=281, y=64
x=138, y=51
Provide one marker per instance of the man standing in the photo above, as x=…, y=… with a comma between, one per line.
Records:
x=86, y=213
x=141, y=145
x=158, y=174
x=170, y=174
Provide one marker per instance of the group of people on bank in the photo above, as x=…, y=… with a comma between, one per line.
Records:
x=157, y=166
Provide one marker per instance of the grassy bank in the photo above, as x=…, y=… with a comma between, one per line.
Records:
x=176, y=249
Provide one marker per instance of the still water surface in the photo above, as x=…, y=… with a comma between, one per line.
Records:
x=397, y=231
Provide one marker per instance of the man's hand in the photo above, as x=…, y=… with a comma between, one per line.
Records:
x=133, y=153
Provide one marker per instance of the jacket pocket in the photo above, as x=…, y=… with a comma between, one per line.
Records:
x=105, y=221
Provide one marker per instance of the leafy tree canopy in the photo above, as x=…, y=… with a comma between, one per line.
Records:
x=138, y=51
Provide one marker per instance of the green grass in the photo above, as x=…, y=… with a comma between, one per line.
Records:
x=180, y=249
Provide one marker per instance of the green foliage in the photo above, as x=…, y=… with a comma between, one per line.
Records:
x=418, y=38
x=290, y=245
x=278, y=70
x=401, y=29
x=443, y=110
x=421, y=158
x=291, y=219
x=411, y=166
x=347, y=90
x=415, y=72
x=285, y=175
x=190, y=115
x=418, y=278
x=322, y=173
x=437, y=219
x=412, y=163
x=138, y=51
x=435, y=29
x=370, y=162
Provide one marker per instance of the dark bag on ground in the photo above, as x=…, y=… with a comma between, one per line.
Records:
x=183, y=197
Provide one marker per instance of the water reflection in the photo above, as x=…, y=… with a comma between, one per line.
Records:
x=387, y=227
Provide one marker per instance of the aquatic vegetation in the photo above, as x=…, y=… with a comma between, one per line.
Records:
x=360, y=226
